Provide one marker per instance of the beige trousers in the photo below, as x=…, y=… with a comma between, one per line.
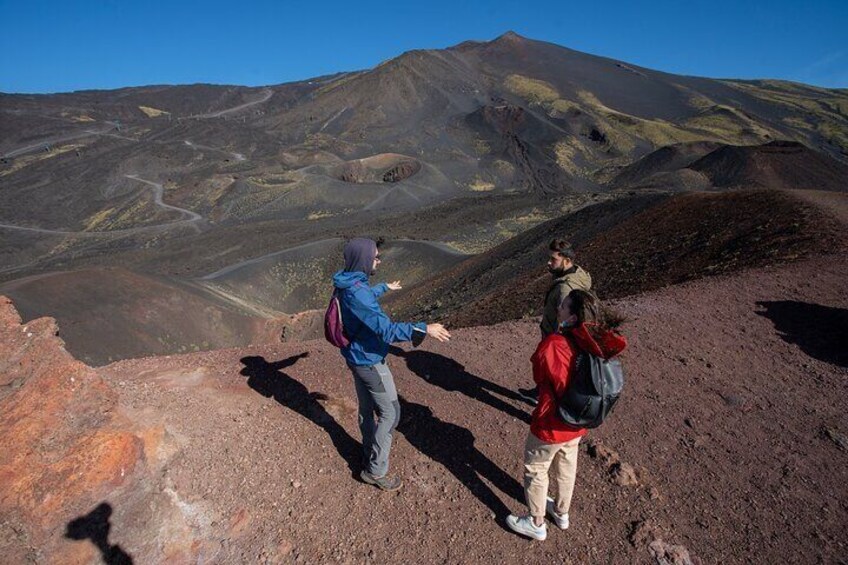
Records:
x=539, y=457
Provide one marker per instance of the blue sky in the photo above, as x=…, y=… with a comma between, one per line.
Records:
x=56, y=46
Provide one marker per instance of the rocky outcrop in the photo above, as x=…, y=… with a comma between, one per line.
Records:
x=65, y=449
x=73, y=462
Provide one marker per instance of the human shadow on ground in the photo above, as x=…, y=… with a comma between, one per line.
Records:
x=820, y=331
x=268, y=379
x=451, y=375
x=453, y=446
x=95, y=526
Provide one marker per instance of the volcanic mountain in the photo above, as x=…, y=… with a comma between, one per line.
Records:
x=465, y=147
x=166, y=220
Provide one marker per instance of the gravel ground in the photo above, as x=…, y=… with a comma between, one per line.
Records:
x=728, y=446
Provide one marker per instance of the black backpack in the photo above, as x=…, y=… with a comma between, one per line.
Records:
x=591, y=392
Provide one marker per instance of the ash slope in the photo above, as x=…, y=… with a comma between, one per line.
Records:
x=512, y=114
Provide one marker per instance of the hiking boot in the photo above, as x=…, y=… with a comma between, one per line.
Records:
x=386, y=483
x=561, y=520
x=531, y=395
x=524, y=525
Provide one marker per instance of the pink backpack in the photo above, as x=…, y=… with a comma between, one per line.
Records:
x=333, y=327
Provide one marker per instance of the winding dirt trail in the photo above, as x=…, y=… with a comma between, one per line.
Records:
x=236, y=266
x=197, y=146
x=61, y=139
x=158, y=191
x=265, y=97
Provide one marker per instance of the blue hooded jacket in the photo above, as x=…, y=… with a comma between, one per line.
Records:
x=369, y=329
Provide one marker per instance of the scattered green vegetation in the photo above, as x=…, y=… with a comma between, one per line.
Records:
x=98, y=219
x=835, y=134
x=565, y=150
x=798, y=123
x=534, y=91
x=729, y=125
x=19, y=163
x=563, y=106
x=336, y=83
x=481, y=147
x=503, y=169
x=319, y=214
x=271, y=181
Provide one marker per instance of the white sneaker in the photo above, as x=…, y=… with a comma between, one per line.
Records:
x=524, y=525
x=560, y=521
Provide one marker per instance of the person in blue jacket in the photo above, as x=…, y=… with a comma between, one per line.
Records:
x=370, y=333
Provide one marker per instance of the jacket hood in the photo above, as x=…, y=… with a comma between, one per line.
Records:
x=359, y=254
x=346, y=279
x=606, y=345
x=577, y=275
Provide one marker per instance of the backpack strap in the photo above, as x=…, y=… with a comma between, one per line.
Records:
x=337, y=296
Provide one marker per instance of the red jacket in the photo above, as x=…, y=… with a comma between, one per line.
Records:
x=553, y=364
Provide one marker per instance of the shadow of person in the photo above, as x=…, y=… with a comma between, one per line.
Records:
x=453, y=447
x=270, y=381
x=95, y=526
x=820, y=331
x=451, y=375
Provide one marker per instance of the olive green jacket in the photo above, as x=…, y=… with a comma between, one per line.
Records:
x=574, y=278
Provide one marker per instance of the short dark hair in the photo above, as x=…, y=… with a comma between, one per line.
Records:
x=563, y=247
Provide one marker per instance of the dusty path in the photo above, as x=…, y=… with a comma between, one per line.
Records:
x=158, y=191
x=236, y=156
x=833, y=203
x=264, y=98
x=236, y=266
x=61, y=139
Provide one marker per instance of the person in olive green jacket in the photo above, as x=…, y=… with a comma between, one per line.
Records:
x=566, y=277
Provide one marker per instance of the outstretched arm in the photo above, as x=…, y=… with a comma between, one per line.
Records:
x=365, y=307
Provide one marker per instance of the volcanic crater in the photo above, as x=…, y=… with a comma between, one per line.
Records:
x=381, y=168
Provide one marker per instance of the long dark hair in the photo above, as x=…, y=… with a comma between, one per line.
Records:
x=589, y=310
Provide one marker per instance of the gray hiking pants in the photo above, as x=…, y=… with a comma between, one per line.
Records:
x=375, y=389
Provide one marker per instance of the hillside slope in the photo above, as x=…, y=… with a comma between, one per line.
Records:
x=629, y=246
x=511, y=114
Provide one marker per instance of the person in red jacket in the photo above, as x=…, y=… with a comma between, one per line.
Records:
x=584, y=325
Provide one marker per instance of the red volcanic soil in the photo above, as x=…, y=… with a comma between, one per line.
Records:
x=729, y=445
x=633, y=245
